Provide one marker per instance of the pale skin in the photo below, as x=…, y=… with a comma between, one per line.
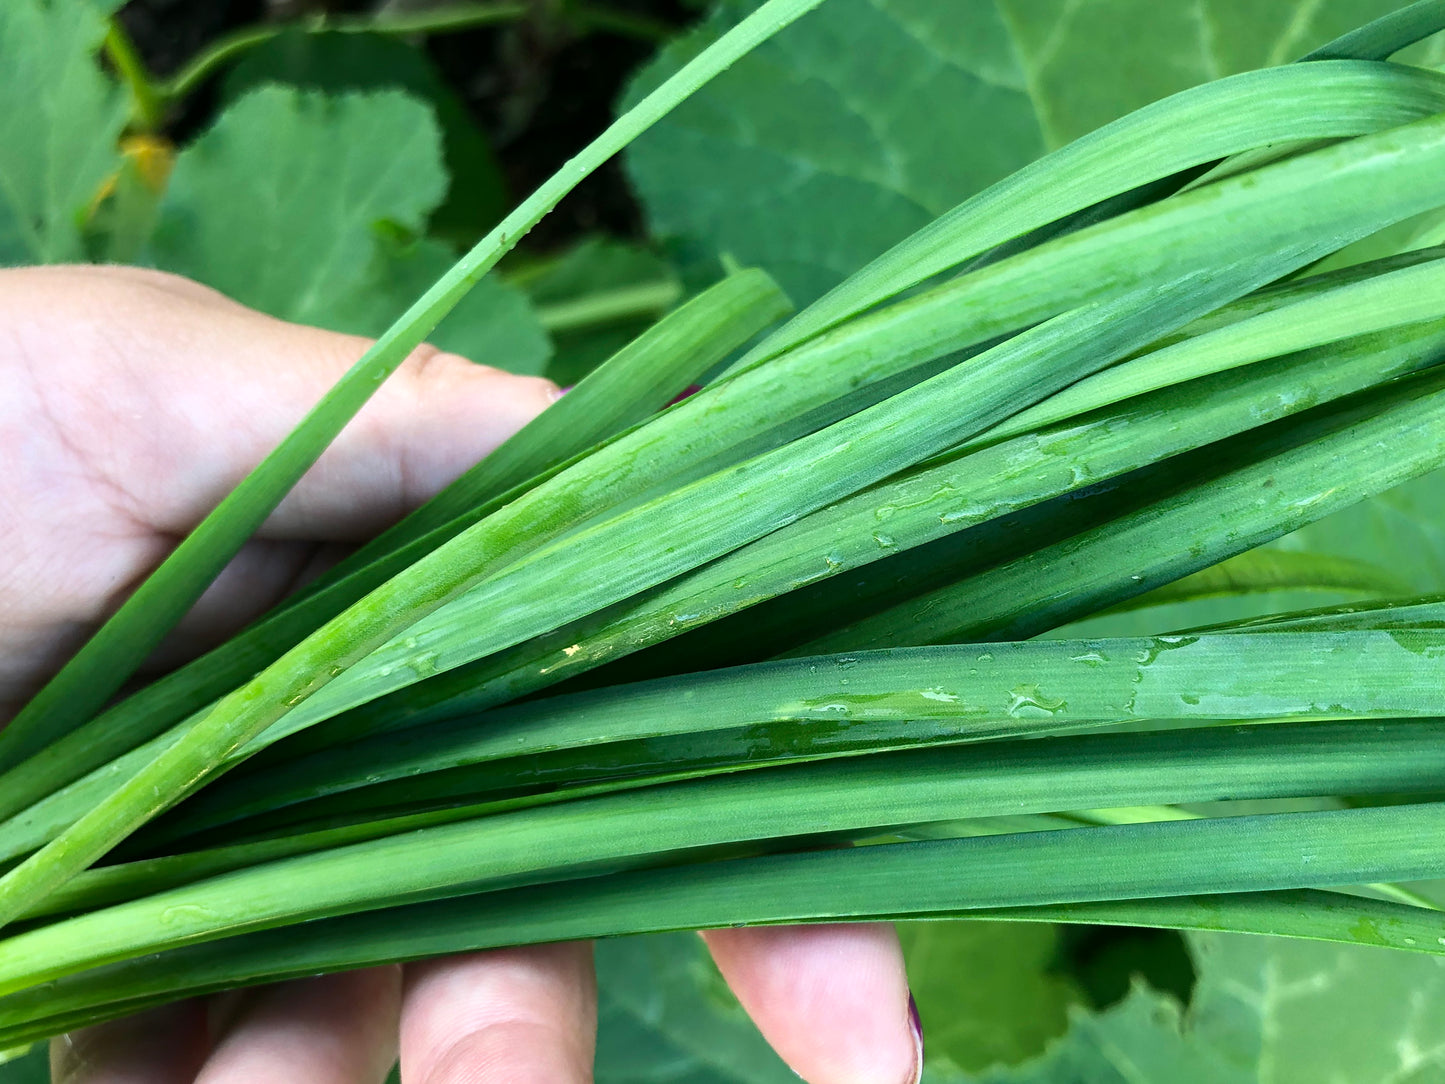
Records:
x=132, y=402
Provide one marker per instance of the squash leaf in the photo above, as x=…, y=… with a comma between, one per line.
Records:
x=60, y=120
x=1265, y=1010
x=985, y=990
x=664, y=1014
x=860, y=124
x=338, y=62
x=309, y=206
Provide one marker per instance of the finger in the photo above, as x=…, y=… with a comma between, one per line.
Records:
x=172, y=393
x=831, y=999
x=436, y=417
x=337, y=1029
x=162, y=1046
x=513, y=1016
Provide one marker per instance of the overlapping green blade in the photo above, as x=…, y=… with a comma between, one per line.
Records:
x=853, y=452
x=1172, y=537
x=828, y=799
x=1387, y=35
x=1343, y=99
x=1425, y=612
x=1274, y=570
x=917, y=509
x=625, y=390
x=1117, y=158
x=1406, y=296
x=1102, y=402
x=103, y=665
x=836, y=545
x=1002, y=379
x=980, y=692
x=1045, y=871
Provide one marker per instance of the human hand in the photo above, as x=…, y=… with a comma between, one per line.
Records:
x=134, y=401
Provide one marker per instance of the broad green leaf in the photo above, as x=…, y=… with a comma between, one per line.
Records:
x=1282, y=1010
x=307, y=206
x=30, y=1068
x=1126, y=165
x=1157, y=49
x=839, y=120
x=60, y=120
x=1402, y=530
x=665, y=1016
x=337, y=62
x=985, y=990
x=1264, y=1011
x=280, y=203
x=493, y=325
x=844, y=149
x=1140, y=1039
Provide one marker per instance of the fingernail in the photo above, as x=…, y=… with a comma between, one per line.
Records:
x=690, y=390
x=915, y=1025
x=557, y=393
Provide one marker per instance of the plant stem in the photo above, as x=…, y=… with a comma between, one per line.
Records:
x=148, y=101
x=610, y=306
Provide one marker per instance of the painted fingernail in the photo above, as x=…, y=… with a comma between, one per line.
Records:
x=690, y=390
x=915, y=1025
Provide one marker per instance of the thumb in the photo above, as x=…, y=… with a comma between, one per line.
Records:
x=192, y=390
x=437, y=415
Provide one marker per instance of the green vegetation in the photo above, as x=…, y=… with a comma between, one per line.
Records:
x=1077, y=547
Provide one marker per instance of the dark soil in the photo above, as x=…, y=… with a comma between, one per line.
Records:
x=538, y=91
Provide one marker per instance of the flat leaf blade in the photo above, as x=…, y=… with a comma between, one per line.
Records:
x=60, y=121
x=321, y=176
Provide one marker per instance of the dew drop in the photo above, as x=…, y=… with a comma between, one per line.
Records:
x=1028, y=702
x=186, y=913
x=423, y=665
